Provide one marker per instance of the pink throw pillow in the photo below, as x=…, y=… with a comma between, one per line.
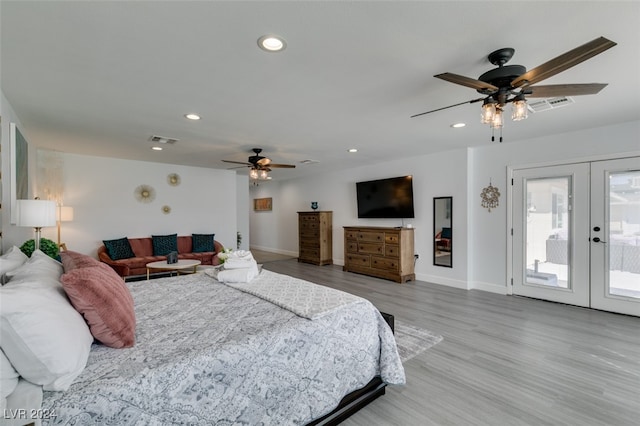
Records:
x=73, y=260
x=104, y=301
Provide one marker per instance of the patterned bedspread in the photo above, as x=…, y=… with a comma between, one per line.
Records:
x=209, y=354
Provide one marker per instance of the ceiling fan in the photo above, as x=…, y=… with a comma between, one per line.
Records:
x=259, y=165
x=513, y=83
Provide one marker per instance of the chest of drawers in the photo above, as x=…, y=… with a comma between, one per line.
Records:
x=380, y=252
x=315, y=240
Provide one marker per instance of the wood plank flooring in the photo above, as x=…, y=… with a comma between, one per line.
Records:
x=504, y=360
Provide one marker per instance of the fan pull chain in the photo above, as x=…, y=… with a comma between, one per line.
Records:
x=493, y=137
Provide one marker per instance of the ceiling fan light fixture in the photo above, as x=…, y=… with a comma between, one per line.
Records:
x=519, y=110
x=497, y=122
x=263, y=174
x=488, y=110
x=253, y=174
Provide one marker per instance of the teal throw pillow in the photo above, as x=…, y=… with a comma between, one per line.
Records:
x=202, y=243
x=119, y=248
x=164, y=244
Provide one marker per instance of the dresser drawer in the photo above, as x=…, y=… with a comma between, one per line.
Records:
x=308, y=225
x=309, y=243
x=351, y=235
x=391, y=250
x=309, y=253
x=391, y=238
x=384, y=263
x=370, y=248
x=308, y=233
x=358, y=260
x=308, y=218
x=352, y=246
x=371, y=236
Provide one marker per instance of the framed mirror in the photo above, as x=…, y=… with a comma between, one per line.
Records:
x=443, y=231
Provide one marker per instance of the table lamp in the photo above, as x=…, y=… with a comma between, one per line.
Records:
x=37, y=214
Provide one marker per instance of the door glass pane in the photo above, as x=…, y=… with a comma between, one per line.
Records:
x=624, y=234
x=547, y=232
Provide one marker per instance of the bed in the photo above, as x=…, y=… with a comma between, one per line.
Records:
x=209, y=353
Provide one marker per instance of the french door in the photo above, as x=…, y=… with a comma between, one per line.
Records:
x=576, y=234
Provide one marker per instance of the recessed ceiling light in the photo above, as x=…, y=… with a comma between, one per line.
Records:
x=458, y=125
x=192, y=116
x=156, y=148
x=272, y=43
x=353, y=150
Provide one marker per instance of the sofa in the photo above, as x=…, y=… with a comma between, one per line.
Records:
x=142, y=250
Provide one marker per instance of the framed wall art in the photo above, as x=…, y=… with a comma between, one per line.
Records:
x=19, y=168
x=262, y=204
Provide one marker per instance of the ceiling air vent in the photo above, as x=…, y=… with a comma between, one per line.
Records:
x=162, y=139
x=550, y=103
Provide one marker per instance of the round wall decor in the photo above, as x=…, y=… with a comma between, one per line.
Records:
x=144, y=193
x=490, y=197
x=173, y=179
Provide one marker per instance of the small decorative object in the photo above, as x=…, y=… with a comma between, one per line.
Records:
x=172, y=257
x=173, y=179
x=224, y=254
x=48, y=247
x=490, y=197
x=145, y=193
x=314, y=205
x=238, y=239
x=166, y=209
x=262, y=204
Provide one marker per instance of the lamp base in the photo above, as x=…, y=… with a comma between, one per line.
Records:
x=37, y=239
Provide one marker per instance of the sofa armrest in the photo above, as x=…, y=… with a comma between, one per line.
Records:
x=122, y=270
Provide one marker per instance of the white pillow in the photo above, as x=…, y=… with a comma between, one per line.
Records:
x=44, y=337
x=8, y=379
x=11, y=259
x=39, y=264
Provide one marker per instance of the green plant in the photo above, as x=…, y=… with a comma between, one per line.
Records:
x=47, y=246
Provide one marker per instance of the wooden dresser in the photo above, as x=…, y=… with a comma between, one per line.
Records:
x=315, y=237
x=379, y=252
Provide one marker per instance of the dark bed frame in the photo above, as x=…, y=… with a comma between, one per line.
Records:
x=358, y=398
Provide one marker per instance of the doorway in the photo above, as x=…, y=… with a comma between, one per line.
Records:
x=576, y=234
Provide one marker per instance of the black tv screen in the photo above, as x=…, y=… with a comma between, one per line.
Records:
x=385, y=198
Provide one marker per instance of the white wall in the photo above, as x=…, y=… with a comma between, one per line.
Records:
x=444, y=174
x=242, y=206
x=488, y=243
x=11, y=234
x=101, y=192
x=479, y=236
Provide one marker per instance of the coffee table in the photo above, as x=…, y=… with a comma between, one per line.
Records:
x=178, y=267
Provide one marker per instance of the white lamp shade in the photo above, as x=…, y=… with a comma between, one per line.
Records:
x=36, y=213
x=65, y=213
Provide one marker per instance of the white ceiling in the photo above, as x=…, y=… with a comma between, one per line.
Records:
x=100, y=78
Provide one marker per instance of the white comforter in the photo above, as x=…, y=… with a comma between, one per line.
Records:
x=209, y=354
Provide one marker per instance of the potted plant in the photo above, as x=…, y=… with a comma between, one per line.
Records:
x=47, y=246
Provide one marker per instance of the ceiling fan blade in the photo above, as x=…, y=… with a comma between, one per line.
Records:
x=556, y=90
x=563, y=62
x=450, y=106
x=467, y=82
x=282, y=166
x=237, y=162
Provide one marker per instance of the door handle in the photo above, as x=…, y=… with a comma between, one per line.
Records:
x=598, y=240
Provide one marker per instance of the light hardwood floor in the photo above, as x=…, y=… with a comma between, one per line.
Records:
x=504, y=360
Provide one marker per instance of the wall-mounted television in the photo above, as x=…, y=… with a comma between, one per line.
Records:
x=390, y=198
